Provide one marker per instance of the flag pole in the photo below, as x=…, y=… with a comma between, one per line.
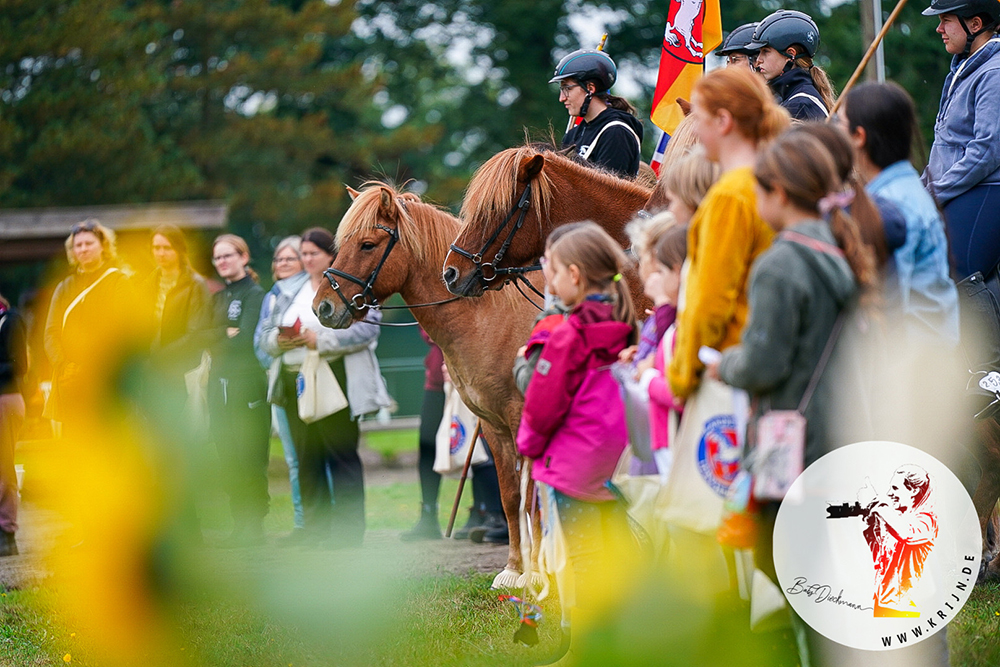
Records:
x=868, y=56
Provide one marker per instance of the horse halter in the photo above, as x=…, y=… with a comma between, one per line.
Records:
x=366, y=295
x=489, y=272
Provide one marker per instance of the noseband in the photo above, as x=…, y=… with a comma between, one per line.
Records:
x=489, y=272
x=365, y=299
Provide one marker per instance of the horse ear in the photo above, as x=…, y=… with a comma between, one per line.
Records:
x=530, y=167
x=352, y=192
x=569, y=151
x=387, y=207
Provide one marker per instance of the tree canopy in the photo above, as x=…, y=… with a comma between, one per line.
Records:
x=274, y=105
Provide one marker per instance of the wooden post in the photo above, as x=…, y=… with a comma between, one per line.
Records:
x=868, y=55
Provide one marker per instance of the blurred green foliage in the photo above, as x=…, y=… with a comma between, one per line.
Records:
x=273, y=105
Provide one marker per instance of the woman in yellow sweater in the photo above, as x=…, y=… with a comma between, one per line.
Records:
x=733, y=114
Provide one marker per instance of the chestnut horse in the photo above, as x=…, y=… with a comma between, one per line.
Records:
x=389, y=243
x=520, y=195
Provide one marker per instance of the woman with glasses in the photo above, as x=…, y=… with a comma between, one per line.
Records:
x=289, y=277
x=328, y=445
x=88, y=313
x=735, y=47
x=608, y=135
x=237, y=392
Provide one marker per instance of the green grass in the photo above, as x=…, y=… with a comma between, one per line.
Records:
x=390, y=443
x=313, y=609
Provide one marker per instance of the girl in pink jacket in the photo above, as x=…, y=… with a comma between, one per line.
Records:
x=573, y=425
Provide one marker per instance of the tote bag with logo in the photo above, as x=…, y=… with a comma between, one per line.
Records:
x=318, y=392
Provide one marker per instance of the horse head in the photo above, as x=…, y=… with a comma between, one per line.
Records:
x=371, y=262
x=505, y=218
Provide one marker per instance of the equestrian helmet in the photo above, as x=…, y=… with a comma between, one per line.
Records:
x=965, y=9
x=784, y=28
x=587, y=65
x=737, y=41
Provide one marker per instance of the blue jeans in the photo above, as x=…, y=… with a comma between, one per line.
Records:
x=285, y=435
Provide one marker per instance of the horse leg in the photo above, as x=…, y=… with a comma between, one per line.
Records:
x=505, y=457
x=987, y=434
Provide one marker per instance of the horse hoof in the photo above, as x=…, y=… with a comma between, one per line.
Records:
x=532, y=580
x=506, y=579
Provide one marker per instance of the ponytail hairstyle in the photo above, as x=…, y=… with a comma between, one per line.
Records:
x=819, y=76
x=616, y=102
x=601, y=262
x=799, y=164
x=861, y=208
x=241, y=247
x=747, y=99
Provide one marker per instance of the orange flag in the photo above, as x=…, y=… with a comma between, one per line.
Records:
x=694, y=28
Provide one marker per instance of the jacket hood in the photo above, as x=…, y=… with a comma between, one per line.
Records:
x=610, y=114
x=833, y=269
x=601, y=334
x=793, y=81
x=964, y=66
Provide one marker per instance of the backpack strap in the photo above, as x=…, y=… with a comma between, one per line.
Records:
x=815, y=100
x=590, y=149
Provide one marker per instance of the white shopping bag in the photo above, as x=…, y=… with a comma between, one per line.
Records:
x=318, y=392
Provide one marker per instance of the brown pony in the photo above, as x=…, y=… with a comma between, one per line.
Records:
x=499, y=209
x=479, y=337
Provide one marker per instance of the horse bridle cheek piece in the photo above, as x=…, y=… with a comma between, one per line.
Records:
x=489, y=272
x=365, y=299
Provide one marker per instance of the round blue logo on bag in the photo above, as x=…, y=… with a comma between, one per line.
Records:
x=300, y=385
x=718, y=453
x=457, y=433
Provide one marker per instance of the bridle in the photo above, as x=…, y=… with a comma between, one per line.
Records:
x=365, y=299
x=489, y=272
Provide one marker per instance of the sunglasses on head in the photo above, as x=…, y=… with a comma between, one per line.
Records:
x=85, y=226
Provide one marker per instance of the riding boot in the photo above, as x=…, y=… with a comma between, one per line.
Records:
x=492, y=530
x=426, y=528
x=477, y=516
x=8, y=545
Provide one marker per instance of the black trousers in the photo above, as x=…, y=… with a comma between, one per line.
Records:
x=241, y=427
x=328, y=446
x=431, y=413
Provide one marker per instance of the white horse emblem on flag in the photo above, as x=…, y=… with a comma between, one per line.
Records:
x=682, y=27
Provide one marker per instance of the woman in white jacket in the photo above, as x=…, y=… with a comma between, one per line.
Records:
x=329, y=444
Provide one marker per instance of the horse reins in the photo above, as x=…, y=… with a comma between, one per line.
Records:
x=367, y=294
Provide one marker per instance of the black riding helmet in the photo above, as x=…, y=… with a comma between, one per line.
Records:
x=784, y=28
x=585, y=65
x=967, y=9
x=738, y=40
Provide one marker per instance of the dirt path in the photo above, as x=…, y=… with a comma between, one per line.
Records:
x=382, y=548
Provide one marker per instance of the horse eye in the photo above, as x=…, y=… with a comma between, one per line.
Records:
x=367, y=245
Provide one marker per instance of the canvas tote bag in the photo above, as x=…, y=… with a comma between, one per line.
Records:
x=706, y=458
x=318, y=392
x=454, y=435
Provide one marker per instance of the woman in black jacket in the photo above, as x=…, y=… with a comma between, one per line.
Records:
x=237, y=392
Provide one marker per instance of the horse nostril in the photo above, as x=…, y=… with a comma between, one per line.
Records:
x=450, y=275
x=325, y=310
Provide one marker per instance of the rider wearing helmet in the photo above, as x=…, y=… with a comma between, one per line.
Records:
x=734, y=47
x=963, y=170
x=610, y=135
x=788, y=40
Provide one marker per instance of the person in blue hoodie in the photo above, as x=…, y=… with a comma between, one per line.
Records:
x=963, y=171
x=787, y=41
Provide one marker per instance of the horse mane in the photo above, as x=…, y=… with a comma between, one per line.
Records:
x=490, y=193
x=425, y=230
